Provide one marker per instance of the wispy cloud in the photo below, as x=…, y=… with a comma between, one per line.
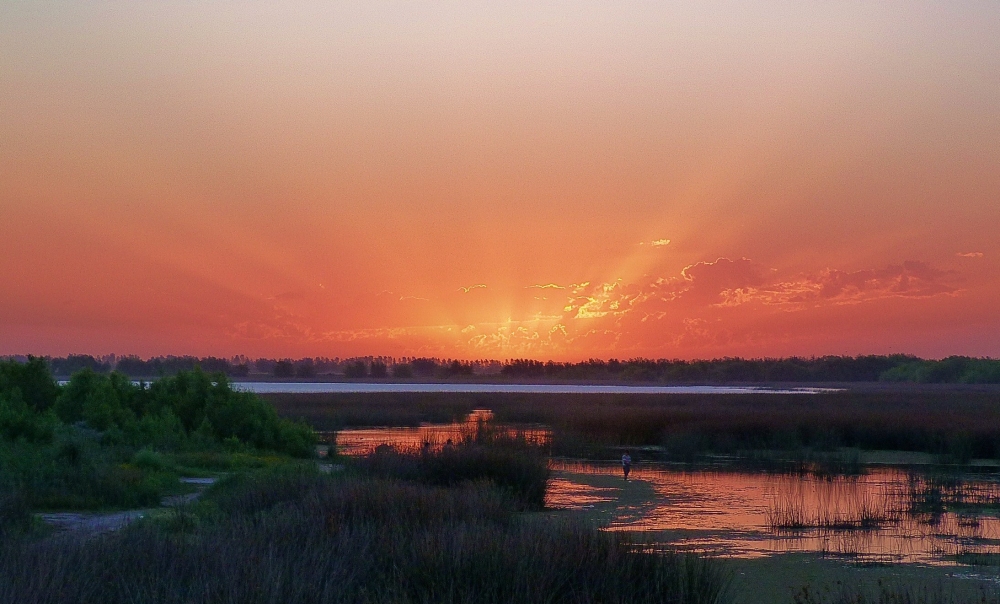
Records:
x=912, y=279
x=466, y=290
x=970, y=254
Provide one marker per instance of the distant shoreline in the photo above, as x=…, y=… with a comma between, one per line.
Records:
x=764, y=387
x=396, y=387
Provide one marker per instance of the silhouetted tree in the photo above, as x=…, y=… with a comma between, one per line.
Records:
x=284, y=369
x=356, y=369
x=305, y=369
x=402, y=370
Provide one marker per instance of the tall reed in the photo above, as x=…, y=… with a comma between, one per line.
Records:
x=316, y=538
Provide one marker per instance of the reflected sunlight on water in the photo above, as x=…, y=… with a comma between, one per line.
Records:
x=882, y=516
x=360, y=441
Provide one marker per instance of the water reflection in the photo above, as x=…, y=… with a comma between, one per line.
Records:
x=884, y=515
x=472, y=388
x=361, y=441
x=873, y=518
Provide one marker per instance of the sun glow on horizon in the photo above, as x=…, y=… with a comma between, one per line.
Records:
x=469, y=180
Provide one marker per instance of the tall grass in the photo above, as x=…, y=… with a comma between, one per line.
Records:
x=507, y=462
x=859, y=510
x=894, y=594
x=301, y=537
x=15, y=514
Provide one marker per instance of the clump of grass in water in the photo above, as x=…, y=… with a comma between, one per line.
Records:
x=510, y=463
x=862, y=510
x=306, y=537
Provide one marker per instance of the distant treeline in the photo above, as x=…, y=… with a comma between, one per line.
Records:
x=240, y=366
x=867, y=368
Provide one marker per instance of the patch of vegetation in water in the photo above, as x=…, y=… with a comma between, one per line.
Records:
x=506, y=461
x=978, y=558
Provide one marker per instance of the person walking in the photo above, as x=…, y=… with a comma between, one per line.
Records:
x=626, y=464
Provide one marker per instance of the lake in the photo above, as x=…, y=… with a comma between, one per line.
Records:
x=377, y=387
x=885, y=515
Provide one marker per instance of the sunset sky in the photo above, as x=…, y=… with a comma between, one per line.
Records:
x=537, y=179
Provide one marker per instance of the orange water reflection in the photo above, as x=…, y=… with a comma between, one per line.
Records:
x=885, y=515
x=361, y=441
x=875, y=517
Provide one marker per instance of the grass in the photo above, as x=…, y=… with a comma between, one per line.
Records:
x=510, y=464
x=935, y=493
x=886, y=593
x=926, y=498
x=15, y=514
x=291, y=534
x=862, y=510
x=956, y=425
x=77, y=472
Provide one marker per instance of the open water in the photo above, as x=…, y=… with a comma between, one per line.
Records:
x=884, y=515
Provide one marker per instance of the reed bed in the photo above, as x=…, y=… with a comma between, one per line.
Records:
x=937, y=493
x=868, y=514
x=302, y=537
x=957, y=424
x=838, y=505
x=507, y=461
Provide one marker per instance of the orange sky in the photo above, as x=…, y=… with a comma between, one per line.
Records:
x=491, y=180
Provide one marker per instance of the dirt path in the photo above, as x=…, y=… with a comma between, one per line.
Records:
x=94, y=523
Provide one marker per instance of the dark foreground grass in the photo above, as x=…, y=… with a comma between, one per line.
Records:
x=297, y=536
x=892, y=594
x=957, y=424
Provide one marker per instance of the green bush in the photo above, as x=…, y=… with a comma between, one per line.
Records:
x=34, y=380
x=192, y=408
x=101, y=440
x=146, y=459
x=20, y=422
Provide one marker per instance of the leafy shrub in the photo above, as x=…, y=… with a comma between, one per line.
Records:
x=149, y=460
x=18, y=421
x=33, y=379
x=190, y=404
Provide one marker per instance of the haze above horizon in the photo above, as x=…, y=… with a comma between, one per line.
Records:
x=472, y=180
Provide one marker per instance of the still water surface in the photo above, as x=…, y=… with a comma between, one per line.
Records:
x=366, y=387
x=885, y=515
